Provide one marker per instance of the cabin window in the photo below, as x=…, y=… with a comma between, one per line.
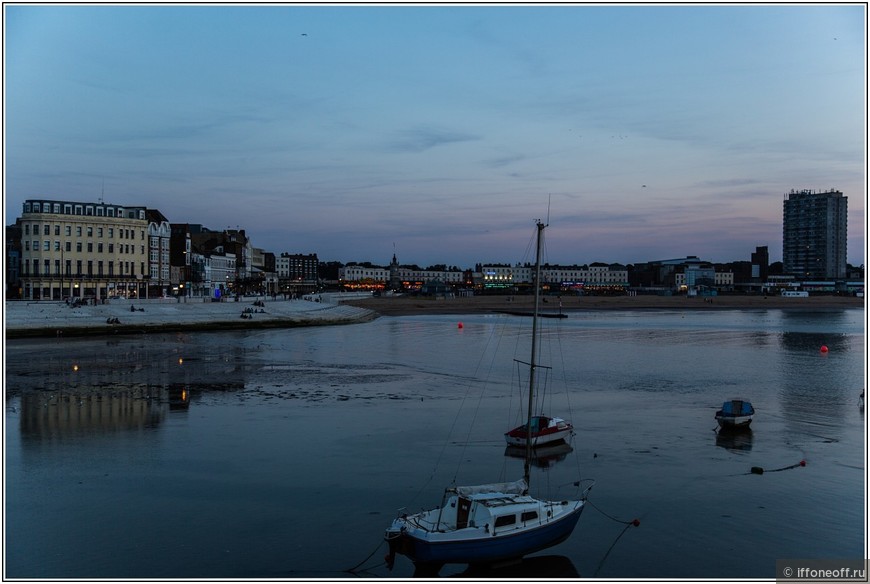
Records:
x=529, y=515
x=505, y=520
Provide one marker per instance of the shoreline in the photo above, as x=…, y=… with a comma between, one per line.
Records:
x=418, y=305
x=23, y=319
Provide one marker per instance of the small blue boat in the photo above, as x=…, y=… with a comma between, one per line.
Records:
x=736, y=414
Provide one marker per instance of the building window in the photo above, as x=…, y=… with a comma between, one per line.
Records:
x=78, y=246
x=100, y=247
x=100, y=268
x=57, y=229
x=78, y=209
x=90, y=268
x=27, y=229
x=111, y=248
x=99, y=231
x=67, y=230
x=79, y=231
x=27, y=245
x=67, y=209
x=110, y=212
x=90, y=247
x=36, y=207
x=56, y=246
x=46, y=245
x=68, y=246
x=89, y=210
x=101, y=211
x=47, y=264
x=78, y=267
x=111, y=232
x=27, y=207
x=57, y=267
x=111, y=268
x=35, y=267
x=57, y=207
x=90, y=231
x=46, y=229
x=68, y=268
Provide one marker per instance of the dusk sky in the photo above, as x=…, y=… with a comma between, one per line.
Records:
x=443, y=132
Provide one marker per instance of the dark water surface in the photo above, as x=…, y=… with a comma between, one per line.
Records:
x=286, y=453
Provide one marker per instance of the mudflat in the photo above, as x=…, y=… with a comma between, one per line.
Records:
x=402, y=305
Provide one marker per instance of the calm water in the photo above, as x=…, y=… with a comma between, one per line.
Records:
x=292, y=450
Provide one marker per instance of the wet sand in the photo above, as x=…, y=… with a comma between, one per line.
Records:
x=413, y=305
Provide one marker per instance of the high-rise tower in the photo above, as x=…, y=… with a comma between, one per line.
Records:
x=814, y=234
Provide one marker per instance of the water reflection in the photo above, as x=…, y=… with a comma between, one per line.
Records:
x=736, y=440
x=537, y=567
x=542, y=456
x=813, y=342
x=58, y=414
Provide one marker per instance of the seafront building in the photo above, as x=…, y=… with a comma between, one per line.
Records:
x=74, y=249
x=814, y=234
x=66, y=249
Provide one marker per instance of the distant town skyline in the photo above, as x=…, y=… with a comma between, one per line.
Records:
x=443, y=132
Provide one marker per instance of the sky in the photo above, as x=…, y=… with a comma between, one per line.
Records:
x=441, y=133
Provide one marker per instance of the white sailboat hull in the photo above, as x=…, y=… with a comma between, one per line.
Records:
x=498, y=526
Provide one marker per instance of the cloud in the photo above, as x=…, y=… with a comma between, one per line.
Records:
x=425, y=138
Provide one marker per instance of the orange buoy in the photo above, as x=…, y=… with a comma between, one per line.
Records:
x=824, y=349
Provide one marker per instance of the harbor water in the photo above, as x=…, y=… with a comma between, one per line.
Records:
x=286, y=453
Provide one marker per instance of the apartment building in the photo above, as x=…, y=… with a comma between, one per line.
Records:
x=814, y=234
x=84, y=250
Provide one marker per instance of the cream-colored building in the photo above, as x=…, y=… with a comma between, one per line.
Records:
x=83, y=250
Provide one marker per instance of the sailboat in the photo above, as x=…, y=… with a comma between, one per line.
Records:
x=485, y=524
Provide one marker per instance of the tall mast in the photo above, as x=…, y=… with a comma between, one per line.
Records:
x=533, y=363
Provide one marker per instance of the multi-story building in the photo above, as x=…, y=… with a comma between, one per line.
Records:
x=219, y=273
x=760, y=264
x=814, y=234
x=158, y=253
x=180, y=257
x=594, y=276
x=13, y=261
x=297, y=272
x=86, y=250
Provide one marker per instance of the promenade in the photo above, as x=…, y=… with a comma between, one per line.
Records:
x=55, y=319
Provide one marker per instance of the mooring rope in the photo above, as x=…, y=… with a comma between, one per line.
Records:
x=355, y=569
x=633, y=523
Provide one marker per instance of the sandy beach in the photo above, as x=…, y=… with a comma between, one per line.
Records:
x=55, y=319
x=407, y=305
x=41, y=319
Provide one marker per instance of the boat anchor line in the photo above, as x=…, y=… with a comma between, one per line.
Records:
x=759, y=470
x=633, y=523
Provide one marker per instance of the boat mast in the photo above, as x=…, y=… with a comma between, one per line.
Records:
x=532, y=364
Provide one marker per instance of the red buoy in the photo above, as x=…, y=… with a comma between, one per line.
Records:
x=636, y=522
x=824, y=349
x=803, y=463
x=459, y=325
